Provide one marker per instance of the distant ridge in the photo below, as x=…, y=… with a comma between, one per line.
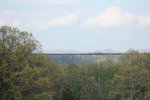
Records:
x=83, y=54
x=144, y=50
x=79, y=52
x=97, y=52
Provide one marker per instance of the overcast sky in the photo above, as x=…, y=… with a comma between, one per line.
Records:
x=83, y=25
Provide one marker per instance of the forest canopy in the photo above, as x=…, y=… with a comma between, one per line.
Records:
x=26, y=75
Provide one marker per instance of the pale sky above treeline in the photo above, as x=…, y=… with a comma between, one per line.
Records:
x=83, y=25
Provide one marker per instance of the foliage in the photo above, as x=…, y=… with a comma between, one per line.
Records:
x=21, y=74
x=25, y=74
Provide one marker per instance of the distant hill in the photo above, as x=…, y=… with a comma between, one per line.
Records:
x=88, y=52
x=79, y=52
x=144, y=50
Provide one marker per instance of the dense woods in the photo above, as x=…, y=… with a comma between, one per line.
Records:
x=26, y=74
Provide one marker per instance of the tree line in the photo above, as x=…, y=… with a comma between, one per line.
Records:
x=26, y=75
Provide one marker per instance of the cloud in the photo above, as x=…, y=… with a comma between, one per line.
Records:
x=46, y=2
x=9, y=18
x=65, y=20
x=144, y=21
x=40, y=21
x=111, y=17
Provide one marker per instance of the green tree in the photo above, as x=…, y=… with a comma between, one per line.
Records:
x=133, y=76
x=20, y=77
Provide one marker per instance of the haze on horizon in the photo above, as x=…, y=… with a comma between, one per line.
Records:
x=81, y=25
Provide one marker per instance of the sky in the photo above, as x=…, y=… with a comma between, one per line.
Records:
x=81, y=25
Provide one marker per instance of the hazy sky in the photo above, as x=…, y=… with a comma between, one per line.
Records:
x=83, y=25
